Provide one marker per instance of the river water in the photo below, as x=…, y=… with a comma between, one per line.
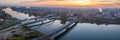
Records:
x=17, y=15
x=87, y=31
x=81, y=31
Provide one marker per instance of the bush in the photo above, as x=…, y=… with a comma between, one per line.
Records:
x=16, y=38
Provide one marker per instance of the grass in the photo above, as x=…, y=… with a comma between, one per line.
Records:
x=32, y=33
x=16, y=38
x=7, y=25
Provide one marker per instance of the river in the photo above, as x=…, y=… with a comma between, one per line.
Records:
x=17, y=15
x=81, y=31
x=87, y=31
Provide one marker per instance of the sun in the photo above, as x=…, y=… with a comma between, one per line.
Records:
x=85, y=2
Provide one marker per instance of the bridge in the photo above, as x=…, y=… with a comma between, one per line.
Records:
x=58, y=31
x=34, y=20
x=41, y=23
x=54, y=33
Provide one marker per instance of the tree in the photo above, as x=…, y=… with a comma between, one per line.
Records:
x=63, y=18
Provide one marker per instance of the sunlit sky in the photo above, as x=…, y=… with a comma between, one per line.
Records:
x=90, y=3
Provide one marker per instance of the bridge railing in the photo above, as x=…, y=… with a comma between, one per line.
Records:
x=59, y=29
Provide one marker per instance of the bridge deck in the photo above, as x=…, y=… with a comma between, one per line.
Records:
x=57, y=30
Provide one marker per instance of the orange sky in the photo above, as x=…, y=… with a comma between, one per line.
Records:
x=71, y=3
x=63, y=3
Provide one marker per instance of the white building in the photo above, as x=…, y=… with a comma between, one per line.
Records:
x=117, y=15
x=1, y=19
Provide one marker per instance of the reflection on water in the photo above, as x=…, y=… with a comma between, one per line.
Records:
x=49, y=27
x=87, y=31
x=83, y=31
x=17, y=15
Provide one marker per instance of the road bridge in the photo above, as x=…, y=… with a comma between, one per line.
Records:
x=59, y=30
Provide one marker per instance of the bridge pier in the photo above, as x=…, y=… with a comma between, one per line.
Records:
x=35, y=19
x=67, y=29
x=38, y=20
x=42, y=22
x=51, y=39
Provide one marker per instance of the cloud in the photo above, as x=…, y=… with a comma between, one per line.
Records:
x=9, y=1
x=16, y=1
x=59, y=2
x=29, y=0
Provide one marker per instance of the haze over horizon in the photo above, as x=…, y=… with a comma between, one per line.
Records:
x=83, y=3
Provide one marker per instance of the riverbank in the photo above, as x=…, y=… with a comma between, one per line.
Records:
x=8, y=24
x=24, y=33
